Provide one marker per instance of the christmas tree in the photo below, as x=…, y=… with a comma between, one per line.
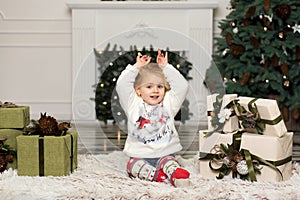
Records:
x=111, y=63
x=258, y=53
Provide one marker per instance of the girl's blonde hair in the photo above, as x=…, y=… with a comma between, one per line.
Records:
x=151, y=68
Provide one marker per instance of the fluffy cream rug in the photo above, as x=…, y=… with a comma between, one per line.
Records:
x=104, y=177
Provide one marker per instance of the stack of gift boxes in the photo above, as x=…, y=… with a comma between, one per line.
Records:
x=13, y=119
x=246, y=138
x=36, y=155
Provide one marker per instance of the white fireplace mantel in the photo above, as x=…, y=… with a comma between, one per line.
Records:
x=143, y=5
x=178, y=25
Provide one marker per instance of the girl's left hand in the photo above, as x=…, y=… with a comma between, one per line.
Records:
x=162, y=60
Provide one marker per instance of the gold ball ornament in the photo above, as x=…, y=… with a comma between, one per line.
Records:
x=281, y=35
x=232, y=24
x=286, y=83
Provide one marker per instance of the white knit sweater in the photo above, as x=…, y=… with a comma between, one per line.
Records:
x=151, y=136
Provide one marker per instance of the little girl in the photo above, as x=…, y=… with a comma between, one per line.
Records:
x=151, y=94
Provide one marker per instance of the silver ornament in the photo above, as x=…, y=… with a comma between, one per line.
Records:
x=242, y=167
x=235, y=30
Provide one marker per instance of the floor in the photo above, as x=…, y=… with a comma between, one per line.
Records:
x=98, y=138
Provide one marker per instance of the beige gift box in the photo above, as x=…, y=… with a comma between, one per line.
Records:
x=231, y=124
x=267, y=147
x=267, y=109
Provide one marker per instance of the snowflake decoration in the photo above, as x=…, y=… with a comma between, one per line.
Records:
x=296, y=28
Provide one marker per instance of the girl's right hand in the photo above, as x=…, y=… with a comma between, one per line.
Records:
x=142, y=60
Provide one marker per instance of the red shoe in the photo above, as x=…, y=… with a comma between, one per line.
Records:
x=159, y=176
x=179, y=173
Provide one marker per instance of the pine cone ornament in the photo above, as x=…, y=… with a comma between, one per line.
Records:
x=246, y=22
x=245, y=78
x=234, y=155
x=285, y=113
x=228, y=38
x=3, y=163
x=266, y=63
x=295, y=114
x=64, y=127
x=250, y=12
x=254, y=42
x=275, y=61
x=237, y=50
x=266, y=23
x=267, y=5
x=283, y=11
x=284, y=68
x=47, y=125
x=9, y=158
x=6, y=154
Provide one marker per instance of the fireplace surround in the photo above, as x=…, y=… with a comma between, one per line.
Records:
x=180, y=26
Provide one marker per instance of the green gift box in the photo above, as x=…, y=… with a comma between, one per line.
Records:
x=11, y=135
x=17, y=117
x=48, y=155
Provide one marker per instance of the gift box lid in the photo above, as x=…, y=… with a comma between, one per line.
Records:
x=16, y=117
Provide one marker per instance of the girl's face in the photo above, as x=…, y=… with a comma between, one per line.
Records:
x=153, y=91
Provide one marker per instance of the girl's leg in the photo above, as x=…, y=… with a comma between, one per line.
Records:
x=137, y=167
x=178, y=176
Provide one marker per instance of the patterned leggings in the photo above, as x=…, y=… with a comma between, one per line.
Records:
x=149, y=169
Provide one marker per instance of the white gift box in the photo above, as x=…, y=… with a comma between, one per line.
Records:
x=267, y=147
x=231, y=124
x=268, y=110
